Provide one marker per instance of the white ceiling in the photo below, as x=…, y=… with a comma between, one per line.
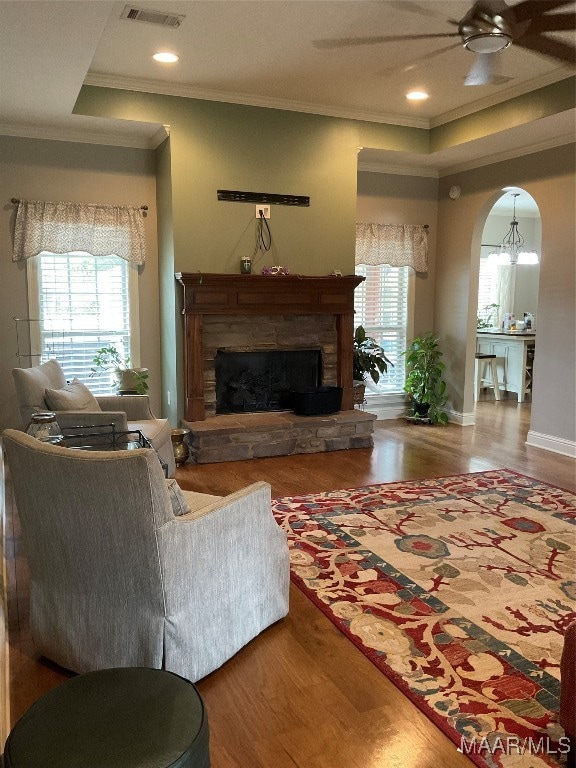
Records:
x=262, y=52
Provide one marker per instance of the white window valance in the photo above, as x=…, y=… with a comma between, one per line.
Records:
x=400, y=245
x=101, y=230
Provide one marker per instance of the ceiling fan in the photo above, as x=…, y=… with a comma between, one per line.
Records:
x=488, y=27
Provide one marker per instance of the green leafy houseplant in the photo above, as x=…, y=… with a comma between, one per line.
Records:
x=108, y=358
x=369, y=357
x=424, y=383
x=485, y=317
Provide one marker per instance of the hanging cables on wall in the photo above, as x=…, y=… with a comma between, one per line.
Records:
x=263, y=234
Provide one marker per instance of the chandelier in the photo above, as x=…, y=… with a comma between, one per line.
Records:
x=512, y=250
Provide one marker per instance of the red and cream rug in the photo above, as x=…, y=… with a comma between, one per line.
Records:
x=459, y=589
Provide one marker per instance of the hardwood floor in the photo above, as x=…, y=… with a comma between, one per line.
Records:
x=301, y=695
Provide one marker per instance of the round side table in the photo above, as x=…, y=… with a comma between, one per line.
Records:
x=126, y=718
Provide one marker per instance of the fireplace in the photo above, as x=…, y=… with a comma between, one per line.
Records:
x=253, y=313
x=245, y=316
x=264, y=380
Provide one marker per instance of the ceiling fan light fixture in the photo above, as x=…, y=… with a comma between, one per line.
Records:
x=490, y=42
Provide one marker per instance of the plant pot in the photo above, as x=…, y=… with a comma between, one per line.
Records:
x=316, y=401
x=359, y=392
x=129, y=380
x=421, y=409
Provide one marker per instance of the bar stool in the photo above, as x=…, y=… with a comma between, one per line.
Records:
x=482, y=360
x=126, y=718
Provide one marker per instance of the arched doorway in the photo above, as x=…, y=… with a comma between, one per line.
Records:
x=508, y=282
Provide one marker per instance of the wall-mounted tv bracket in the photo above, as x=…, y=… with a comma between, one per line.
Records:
x=232, y=196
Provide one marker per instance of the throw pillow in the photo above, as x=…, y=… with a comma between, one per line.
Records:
x=75, y=396
x=179, y=505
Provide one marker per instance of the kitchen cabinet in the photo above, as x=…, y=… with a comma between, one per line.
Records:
x=514, y=352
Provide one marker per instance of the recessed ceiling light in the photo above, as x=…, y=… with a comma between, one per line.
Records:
x=165, y=57
x=416, y=95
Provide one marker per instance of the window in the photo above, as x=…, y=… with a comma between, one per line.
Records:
x=487, y=282
x=381, y=306
x=82, y=302
x=496, y=284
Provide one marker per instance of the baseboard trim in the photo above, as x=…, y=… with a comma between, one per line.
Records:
x=464, y=419
x=551, y=443
x=383, y=413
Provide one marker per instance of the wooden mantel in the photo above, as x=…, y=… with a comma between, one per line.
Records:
x=221, y=294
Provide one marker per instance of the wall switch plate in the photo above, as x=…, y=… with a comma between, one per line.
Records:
x=265, y=210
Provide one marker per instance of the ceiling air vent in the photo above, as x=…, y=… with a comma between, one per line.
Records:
x=162, y=18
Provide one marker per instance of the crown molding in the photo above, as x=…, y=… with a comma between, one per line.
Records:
x=400, y=170
x=542, y=146
x=499, y=98
x=55, y=133
x=189, y=92
x=161, y=135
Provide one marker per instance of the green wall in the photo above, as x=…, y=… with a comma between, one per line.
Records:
x=521, y=110
x=216, y=145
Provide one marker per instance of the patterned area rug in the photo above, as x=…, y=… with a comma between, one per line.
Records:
x=459, y=589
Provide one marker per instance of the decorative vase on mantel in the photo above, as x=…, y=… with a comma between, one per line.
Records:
x=180, y=446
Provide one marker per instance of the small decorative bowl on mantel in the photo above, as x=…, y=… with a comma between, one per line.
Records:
x=274, y=270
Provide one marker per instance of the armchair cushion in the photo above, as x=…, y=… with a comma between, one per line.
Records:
x=136, y=407
x=75, y=396
x=179, y=505
x=32, y=383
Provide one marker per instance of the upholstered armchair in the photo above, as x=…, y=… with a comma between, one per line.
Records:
x=126, y=569
x=44, y=388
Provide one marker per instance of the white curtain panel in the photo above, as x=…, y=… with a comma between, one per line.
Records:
x=506, y=284
x=60, y=227
x=399, y=245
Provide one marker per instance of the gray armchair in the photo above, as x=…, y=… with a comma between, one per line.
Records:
x=125, y=411
x=119, y=577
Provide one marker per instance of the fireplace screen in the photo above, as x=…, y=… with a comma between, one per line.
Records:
x=263, y=381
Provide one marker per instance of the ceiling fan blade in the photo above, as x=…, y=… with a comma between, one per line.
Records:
x=530, y=9
x=555, y=22
x=345, y=42
x=482, y=70
x=415, y=62
x=410, y=7
x=548, y=46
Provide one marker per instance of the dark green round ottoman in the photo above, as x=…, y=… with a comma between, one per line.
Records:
x=133, y=717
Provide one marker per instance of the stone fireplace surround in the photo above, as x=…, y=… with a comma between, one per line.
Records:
x=252, y=313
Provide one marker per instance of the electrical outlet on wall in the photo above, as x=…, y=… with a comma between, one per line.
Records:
x=263, y=210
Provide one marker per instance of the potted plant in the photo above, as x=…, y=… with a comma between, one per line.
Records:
x=369, y=360
x=424, y=383
x=128, y=379
x=485, y=317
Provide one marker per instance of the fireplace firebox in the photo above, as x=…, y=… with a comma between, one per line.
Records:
x=265, y=380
